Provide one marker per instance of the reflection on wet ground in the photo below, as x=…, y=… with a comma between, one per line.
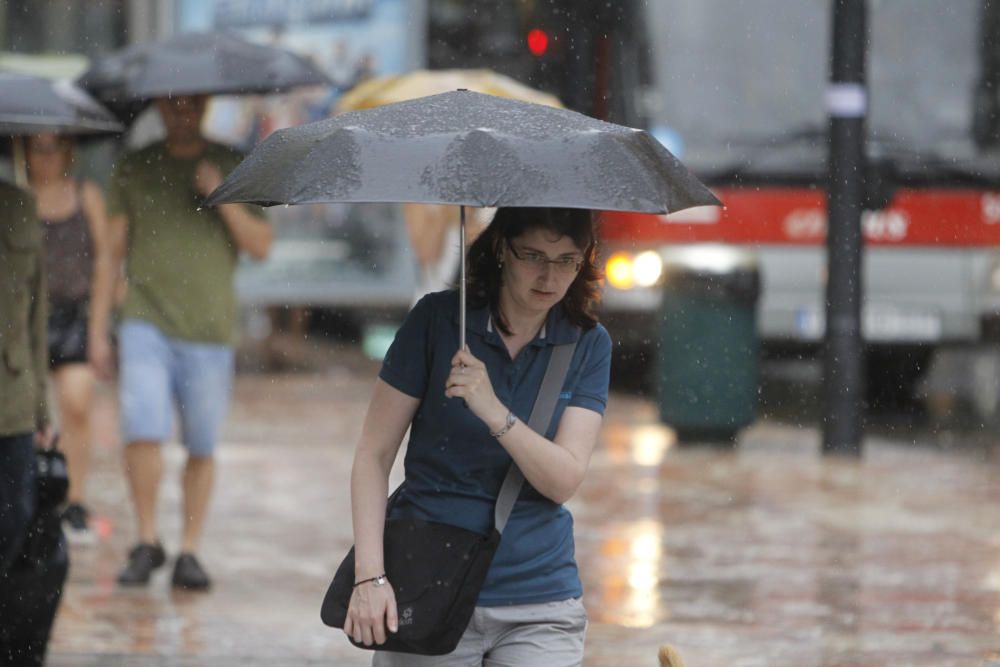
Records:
x=766, y=554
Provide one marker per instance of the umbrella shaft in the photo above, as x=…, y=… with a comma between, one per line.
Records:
x=461, y=281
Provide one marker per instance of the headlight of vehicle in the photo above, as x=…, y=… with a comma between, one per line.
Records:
x=647, y=268
x=619, y=271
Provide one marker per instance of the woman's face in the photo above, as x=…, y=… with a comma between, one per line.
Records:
x=48, y=155
x=538, y=268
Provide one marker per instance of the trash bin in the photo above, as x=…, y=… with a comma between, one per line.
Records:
x=708, y=355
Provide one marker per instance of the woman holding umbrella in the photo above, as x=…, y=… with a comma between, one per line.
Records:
x=74, y=226
x=532, y=291
x=533, y=284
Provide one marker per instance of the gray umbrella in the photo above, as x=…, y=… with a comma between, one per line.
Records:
x=468, y=149
x=32, y=104
x=209, y=63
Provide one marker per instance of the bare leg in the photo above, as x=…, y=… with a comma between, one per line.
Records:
x=74, y=386
x=144, y=468
x=199, y=478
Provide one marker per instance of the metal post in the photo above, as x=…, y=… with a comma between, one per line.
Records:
x=847, y=103
x=148, y=20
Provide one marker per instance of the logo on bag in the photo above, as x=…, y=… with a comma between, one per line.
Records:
x=406, y=618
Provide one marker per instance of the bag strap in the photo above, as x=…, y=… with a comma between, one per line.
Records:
x=541, y=415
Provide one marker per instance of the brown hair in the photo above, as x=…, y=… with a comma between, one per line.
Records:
x=484, y=272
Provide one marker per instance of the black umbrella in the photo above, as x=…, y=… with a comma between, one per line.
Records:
x=32, y=104
x=210, y=63
x=467, y=149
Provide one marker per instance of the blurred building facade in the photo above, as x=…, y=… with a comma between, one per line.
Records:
x=87, y=27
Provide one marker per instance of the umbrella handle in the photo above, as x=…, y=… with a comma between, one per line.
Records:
x=461, y=281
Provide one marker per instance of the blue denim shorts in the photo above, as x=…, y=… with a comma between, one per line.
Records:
x=159, y=373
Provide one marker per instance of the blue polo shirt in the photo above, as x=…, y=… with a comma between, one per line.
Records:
x=454, y=468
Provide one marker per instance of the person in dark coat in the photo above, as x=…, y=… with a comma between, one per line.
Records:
x=30, y=589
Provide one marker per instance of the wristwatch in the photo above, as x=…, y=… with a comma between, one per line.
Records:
x=508, y=425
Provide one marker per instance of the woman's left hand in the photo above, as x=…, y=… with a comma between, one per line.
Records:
x=470, y=380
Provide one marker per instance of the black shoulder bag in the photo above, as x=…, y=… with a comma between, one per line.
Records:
x=435, y=569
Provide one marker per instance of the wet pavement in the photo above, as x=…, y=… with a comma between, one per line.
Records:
x=766, y=554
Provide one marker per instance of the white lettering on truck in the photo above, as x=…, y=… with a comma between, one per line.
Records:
x=810, y=223
x=991, y=208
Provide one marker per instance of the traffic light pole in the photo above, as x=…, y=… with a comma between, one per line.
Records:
x=847, y=104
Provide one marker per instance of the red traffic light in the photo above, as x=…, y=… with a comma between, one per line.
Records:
x=538, y=42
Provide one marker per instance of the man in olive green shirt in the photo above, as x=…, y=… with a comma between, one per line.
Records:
x=24, y=363
x=178, y=321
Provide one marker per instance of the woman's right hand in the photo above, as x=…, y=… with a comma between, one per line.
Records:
x=371, y=610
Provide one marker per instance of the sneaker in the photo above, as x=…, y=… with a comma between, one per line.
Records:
x=189, y=574
x=76, y=525
x=142, y=560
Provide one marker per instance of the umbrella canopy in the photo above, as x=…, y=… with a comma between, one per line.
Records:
x=208, y=63
x=31, y=104
x=468, y=149
x=381, y=90
x=390, y=89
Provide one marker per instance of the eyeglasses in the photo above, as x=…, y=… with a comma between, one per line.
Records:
x=536, y=260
